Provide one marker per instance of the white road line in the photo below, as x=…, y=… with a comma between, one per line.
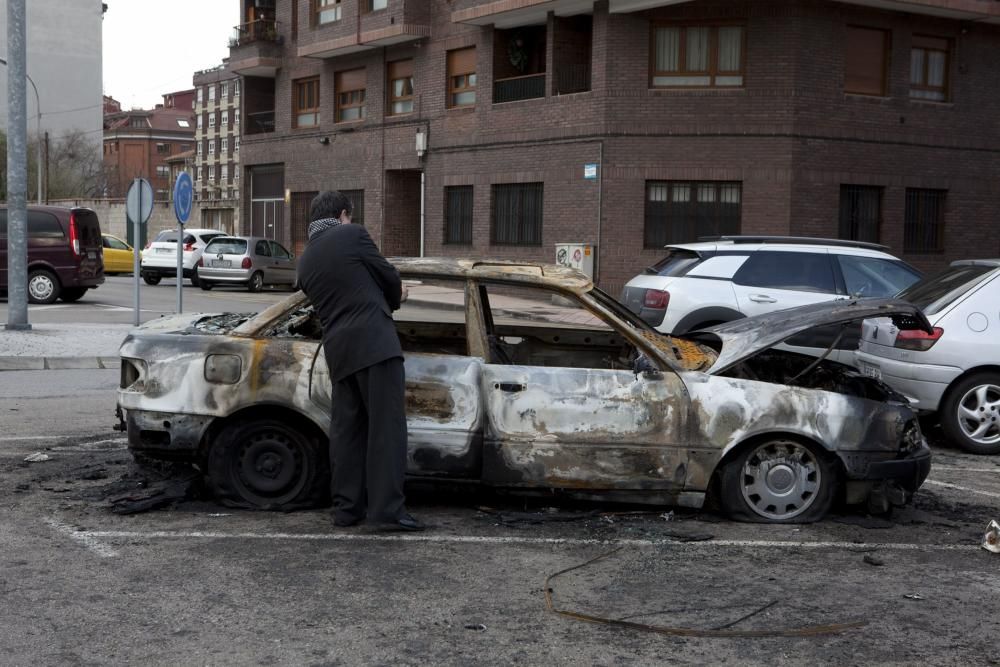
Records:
x=86, y=539
x=988, y=494
x=936, y=468
x=487, y=539
x=32, y=438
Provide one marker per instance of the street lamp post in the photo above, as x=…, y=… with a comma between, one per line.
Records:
x=38, y=128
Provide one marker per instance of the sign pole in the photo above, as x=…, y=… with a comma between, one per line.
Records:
x=180, y=267
x=138, y=208
x=136, y=236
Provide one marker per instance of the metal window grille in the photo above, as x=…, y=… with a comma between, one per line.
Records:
x=923, y=227
x=860, y=212
x=516, y=214
x=681, y=211
x=357, y=198
x=458, y=214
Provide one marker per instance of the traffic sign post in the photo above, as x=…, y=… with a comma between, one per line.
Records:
x=183, y=200
x=138, y=208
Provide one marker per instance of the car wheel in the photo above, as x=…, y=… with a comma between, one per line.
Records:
x=256, y=283
x=151, y=279
x=70, y=294
x=43, y=287
x=194, y=277
x=970, y=414
x=778, y=481
x=267, y=465
x=207, y=286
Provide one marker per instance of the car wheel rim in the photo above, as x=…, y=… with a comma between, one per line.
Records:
x=979, y=414
x=270, y=468
x=257, y=282
x=780, y=480
x=40, y=287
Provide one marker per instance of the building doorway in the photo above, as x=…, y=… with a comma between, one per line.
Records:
x=401, y=223
x=301, y=201
x=267, y=202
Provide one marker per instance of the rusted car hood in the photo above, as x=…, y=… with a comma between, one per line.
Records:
x=742, y=339
x=200, y=323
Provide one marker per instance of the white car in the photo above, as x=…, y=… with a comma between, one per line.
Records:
x=730, y=277
x=159, y=259
x=952, y=369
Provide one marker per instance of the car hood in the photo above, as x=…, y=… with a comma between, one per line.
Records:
x=196, y=323
x=742, y=339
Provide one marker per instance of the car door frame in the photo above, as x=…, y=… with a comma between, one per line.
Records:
x=284, y=266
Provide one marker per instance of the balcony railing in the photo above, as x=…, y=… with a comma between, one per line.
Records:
x=519, y=88
x=261, y=30
x=572, y=79
x=260, y=122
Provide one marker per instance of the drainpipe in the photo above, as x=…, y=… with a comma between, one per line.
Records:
x=423, y=191
x=600, y=212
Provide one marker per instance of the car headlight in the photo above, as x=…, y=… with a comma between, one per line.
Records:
x=223, y=368
x=133, y=374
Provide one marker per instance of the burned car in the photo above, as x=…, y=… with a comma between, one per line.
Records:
x=526, y=376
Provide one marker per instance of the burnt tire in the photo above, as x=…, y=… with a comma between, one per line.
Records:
x=256, y=282
x=778, y=480
x=268, y=465
x=43, y=286
x=207, y=286
x=970, y=413
x=71, y=294
x=151, y=278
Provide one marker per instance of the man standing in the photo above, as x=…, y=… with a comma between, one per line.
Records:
x=354, y=291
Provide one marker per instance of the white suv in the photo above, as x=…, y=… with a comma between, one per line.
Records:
x=725, y=278
x=159, y=259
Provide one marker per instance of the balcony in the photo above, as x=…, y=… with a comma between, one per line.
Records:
x=255, y=48
x=519, y=88
x=259, y=122
x=964, y=10
x=505, y=14
x=401, y=21
x=572, y=79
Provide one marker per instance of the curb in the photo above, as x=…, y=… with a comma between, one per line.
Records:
x=58, y=363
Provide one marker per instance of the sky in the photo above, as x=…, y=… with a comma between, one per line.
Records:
x=153, y=47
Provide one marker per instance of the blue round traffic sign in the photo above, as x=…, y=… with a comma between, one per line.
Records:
x=183, y=197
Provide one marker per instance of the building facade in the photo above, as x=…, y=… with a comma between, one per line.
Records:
x=500, y=128
x=217, y=152
x=139, y=142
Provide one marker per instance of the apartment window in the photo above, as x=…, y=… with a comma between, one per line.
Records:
x=458, y=215
x=697, y=55
x=211, y=172
x=236, y=177
x=306, y=102
x=224, y=146
x=199, y=149
x=201, y=95
x=225, y=118
x=162, y=171
x=929, y=68
x=860, y=212
x=375, y=5
x=516, y=214
x=236, y=144
x=211, y=146
x=350, y=87
x=199, y=121
x=923, y=226
x=866, y=61
x=236, y=116
x=400, y=74
x=357, y=199
x=163, y=149
x=224, y=91
x=236, y=88
x=326, y=11
x=682, y=211
x=211, y=93
x=211, y=119
x=225, y=173
x=462, y=78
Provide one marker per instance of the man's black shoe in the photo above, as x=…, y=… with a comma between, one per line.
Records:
x=405, y=523
x=345, y=523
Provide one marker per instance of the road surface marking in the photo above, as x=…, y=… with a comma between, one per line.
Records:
x=988, y=494
x=487, y=539
x=86, y=539
x=957, y=469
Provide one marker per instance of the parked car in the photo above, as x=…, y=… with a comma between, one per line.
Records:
x=586, y=400
x=159, y=259
x=952, y=370
x=251, y=261
x=697, y=285
x=64, y=253
x=118, y=255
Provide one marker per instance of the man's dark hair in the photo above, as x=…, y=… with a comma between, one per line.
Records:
x=329, y=204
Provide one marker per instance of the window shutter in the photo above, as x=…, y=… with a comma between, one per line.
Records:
x=462, y=61
x=865, y=61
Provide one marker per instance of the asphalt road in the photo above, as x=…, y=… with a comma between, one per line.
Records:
x=202, y=584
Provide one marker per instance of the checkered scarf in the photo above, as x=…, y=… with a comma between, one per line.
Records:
x=321, y=225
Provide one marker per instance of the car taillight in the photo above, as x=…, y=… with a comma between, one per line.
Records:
x=917, y=339
x=188, y=247
x=74, y=239
x=246, y=263
x=655, y=298
x=148, y=244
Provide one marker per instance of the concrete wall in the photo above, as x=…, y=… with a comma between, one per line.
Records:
x=111, y=213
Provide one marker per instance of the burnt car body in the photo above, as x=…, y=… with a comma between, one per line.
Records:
x=598, y=406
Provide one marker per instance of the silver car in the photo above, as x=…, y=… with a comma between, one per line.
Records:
x=952, y=369
x=250, y=261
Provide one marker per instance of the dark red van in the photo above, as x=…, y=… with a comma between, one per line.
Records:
x=65, y=253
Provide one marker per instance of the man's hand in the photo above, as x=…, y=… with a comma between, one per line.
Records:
x=404, y=294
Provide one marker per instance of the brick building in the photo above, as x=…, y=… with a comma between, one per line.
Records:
x=217, y=154
x=139, y=142
x=869, y=119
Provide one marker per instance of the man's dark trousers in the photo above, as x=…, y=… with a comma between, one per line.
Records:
x=368, y=443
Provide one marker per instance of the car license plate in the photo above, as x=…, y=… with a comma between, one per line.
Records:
x=221, y=263
x=871, y=370
x=164, y=251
